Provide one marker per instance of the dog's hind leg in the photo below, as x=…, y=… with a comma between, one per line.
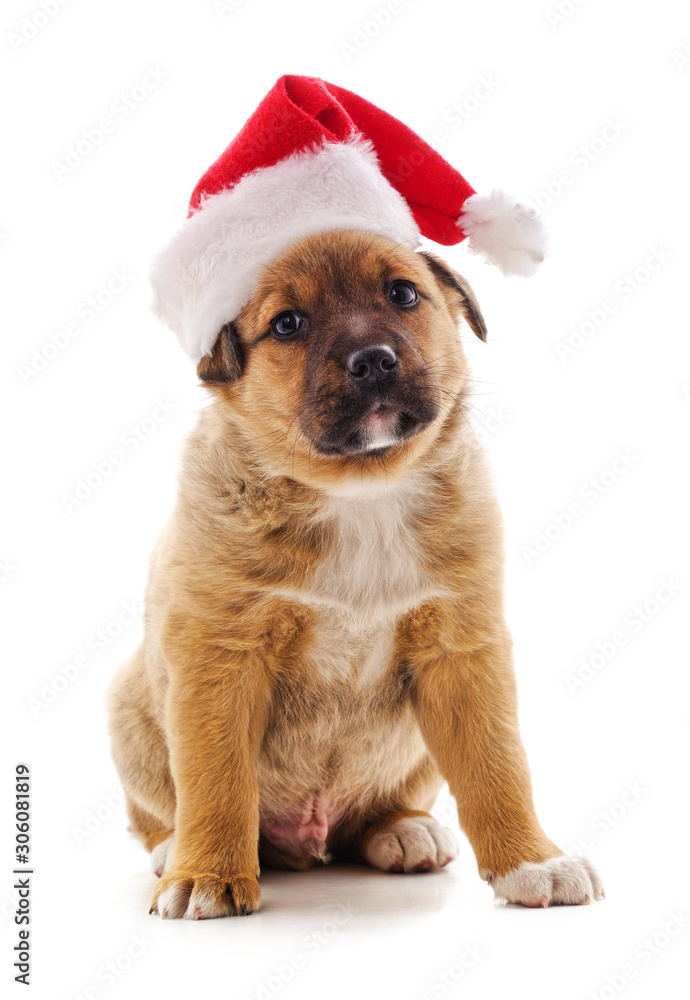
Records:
x=409, y=840
x=399, y=834
x=141, y=755
x=154, y=835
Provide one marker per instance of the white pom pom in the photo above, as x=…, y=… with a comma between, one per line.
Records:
x=504, y=232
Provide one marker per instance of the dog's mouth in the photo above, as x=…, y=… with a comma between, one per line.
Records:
x=384, y=426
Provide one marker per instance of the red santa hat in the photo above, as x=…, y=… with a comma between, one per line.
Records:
x=315, y=157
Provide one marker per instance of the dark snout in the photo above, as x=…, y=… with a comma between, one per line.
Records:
x=371, y=388
x=372, y=367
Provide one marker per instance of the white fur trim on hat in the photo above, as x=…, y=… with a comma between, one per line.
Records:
x=209, y=270
x=504, y=232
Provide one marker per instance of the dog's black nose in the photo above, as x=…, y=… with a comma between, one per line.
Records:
x=372, y=366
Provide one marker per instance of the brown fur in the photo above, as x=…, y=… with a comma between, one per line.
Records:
x=279, y=559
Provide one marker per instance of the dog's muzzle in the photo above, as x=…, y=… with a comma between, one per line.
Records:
x=383, y=408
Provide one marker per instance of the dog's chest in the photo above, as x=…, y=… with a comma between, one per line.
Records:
x=344, y=646
x=373, y=567
x=372, y=573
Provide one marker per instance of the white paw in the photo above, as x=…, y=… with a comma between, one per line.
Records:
x=561, y=880
x=201, y=897
x=161, y=855
x=177, y=901
x=410, y=844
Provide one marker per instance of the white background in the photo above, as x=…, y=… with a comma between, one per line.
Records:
x=551, y=424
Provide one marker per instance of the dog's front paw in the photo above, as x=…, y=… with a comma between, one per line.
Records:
x=409, y=843
x=199, y=897
x=560, y=880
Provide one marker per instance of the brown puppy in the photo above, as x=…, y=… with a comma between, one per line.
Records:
x=325, y=640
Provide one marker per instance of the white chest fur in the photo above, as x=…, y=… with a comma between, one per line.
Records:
x=373, y=568
x=372, y=573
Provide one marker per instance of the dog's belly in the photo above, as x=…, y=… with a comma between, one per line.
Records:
x=342, y=735
x=330, y=769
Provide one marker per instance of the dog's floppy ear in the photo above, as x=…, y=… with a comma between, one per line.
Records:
x=226, y=361
x=457, y=293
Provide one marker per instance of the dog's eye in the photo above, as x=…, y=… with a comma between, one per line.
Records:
x=403, y=293
x=288, y=324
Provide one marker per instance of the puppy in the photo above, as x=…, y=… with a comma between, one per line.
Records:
x=325, y=640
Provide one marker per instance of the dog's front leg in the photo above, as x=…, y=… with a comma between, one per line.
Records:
x=467, y=710
x=215, y=718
